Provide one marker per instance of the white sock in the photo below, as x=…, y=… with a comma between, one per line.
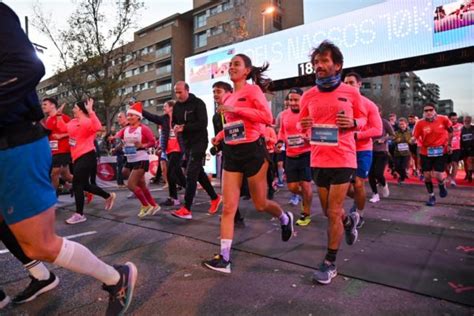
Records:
x=284, y=219
x=226, y=244
x=77, y=258
x=38, y=270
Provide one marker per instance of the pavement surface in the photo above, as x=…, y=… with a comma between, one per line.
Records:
x=409, y=260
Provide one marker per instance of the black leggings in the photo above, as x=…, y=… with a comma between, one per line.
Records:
x=401, y=164
x=376, y=174
x=271, y=172
x=175, y=174
x=84, y=167
x=194, y=173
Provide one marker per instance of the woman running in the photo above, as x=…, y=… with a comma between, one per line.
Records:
x=246, y=112
x=137, y=138
x=82, y=130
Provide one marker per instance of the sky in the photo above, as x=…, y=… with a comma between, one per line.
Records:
x=455, y=82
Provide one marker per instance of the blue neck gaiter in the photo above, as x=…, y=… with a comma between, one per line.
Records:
x=328, y=84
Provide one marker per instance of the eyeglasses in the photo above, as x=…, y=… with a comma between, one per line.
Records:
x=428, y=110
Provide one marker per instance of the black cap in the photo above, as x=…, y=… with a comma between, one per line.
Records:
x=295, y=90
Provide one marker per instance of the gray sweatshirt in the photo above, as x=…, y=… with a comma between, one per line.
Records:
x=381, y=143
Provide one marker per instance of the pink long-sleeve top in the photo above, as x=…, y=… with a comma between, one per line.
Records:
x=323, y=107
x=252, y=109
x=373, y=128
x=290, y=133
x=82, y=132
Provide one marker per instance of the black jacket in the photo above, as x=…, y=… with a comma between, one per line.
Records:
x=193, y=114
x=20, y=72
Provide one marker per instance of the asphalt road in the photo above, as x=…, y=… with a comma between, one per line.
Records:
x=168, y=253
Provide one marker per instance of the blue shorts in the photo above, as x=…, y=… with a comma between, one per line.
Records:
x=25, y=188
x=364, y=161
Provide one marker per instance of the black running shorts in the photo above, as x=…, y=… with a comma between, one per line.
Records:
x=325, y=177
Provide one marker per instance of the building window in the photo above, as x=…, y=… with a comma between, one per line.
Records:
x=163, y=50
x=163, y=69
x=277, y=21
x=200, y=40
x=227, y=4
x=217, y=30
x=200, y=20
x=163, y=87
x=215, y=10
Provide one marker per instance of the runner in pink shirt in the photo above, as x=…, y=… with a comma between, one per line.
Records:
x=455, y=156
x=298, y=169
x=364, y=147
x=332, y=110
x=82, y=130
x=137, y=138
x=246, y=113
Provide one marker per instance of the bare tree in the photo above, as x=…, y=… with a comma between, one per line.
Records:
x=93, y=55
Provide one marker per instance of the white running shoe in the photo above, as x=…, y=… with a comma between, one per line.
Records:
x=375, y=198
x=385, y=191
x=153, y=210
x=76, y=219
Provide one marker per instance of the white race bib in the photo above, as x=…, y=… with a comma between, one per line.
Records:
x=234, y=131
x=295, y=141
x=402, y=147
x=54, y=144
x=324, y=135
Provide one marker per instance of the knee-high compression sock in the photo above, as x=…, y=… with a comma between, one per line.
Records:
x=148, y=196
x=77, y=258
x=140, y=196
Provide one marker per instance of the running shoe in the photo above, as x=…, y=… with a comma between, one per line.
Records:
x=143, y=210
x=304, y=220
x=183, y=213
x=109, y=203
x=280, y=184
x=353, y=209
x=351, y=230
x=121, y=294
x=375, y=198
x=215, y=205
x=442, y=191
x=218, y=263
x=325, y=272
x=76, y=218
x=360, y=223
x=152, y=210
x=171, y=202
x=385, y=190
x=431, y=201
x=4, y=299
x=287, y=230
x=36, y=288
x=89, y=197
x=294, y=200
x=453, y=183
x=131, y=195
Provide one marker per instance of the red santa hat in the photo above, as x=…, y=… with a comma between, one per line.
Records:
x=136, y=109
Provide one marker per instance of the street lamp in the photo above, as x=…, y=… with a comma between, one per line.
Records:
x=267, y=11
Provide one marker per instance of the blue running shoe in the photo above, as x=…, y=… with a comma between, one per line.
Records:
x=431, y=201
x=442, y=191
x=325, y=272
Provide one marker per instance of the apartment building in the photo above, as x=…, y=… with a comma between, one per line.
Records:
x=157, y=52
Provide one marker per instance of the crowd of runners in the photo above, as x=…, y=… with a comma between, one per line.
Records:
x=329, y=135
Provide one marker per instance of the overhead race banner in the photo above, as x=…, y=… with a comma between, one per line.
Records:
x=391, y=30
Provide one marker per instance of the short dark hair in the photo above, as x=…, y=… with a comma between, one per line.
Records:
x=52, y=100
x=296, y=90
x=430, y=105
x=222, y=85
x=452, y=114
x=402, y=119
x=82, y=106
x=355, y=75
x=170, y=103
x=328, y=46
x=411, y=116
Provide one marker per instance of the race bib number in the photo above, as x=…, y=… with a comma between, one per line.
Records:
x=402, y=147
x=435, y=151
x=72, y=142
x=130, y=150
x=295, y=141
x=324, y=135
x=467, y=137
x=54, y=144
x=234, y=131
x=172, y=134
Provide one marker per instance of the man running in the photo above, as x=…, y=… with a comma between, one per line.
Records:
x=190, y=119
x=28, y=209
x=455, y=156
x=435, y=133
x=298, y=169
x=364, y=147
x=59, y=143
x=330, y=109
